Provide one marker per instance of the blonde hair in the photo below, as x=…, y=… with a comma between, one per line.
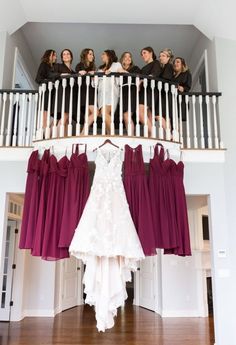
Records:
x=169, y=53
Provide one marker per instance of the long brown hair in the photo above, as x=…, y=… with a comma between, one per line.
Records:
x=150, y=50
x=90, y=66
x=122, y=58
x=46, y=56
x=185, y=67
x=111, y=58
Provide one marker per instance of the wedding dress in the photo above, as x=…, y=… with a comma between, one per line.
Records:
x=106, y=240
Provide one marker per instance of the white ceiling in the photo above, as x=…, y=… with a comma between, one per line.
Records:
x=120, y=37
x=215, y=18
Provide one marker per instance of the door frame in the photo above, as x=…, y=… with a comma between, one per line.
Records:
x=202, y=63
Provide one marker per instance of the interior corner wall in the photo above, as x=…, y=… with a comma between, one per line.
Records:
x=226, y=72
x=3, y=35
x=205, y=44
x=12, y=41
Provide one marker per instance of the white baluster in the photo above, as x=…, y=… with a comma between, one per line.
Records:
x=41, y=129
x=153, y=110
x=79, y=82
x=129, y=107
x=145, y=129
x=216, y=137
x=39, y=112
x=168, y=125
x=62, y=126
x=137, y=129
x=29, y=119
x=3, y=119
x=104, y=105
x=16, y=114
x=22, y=119
x=187, y=122
x=176, y=115
x=121, y=107
x=112, y=129
x=47, y=129
x=195, y=141
x=202, y=139
x=209, y=136
x=54, y=128
x=86, y=127
x=180, y=121
x=72, y=81
x=95, y=105
x=174, y=130
x=161, y=132
x=35, y=106
x=9, y=125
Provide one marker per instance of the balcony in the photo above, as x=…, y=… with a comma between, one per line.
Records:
x=192, y=120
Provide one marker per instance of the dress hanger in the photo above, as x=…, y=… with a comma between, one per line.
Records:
x=107, y=141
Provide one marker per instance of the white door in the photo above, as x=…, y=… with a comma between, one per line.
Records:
x=7, y=274
x=72, y=289
x=147, y=283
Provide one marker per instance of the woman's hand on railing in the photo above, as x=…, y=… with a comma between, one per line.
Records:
x=82, y=72
x=180, y=88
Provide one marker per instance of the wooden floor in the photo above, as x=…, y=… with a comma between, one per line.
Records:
x=134, y=326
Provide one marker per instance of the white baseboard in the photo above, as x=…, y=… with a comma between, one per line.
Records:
x=39, y=313
x=182, y=313
x=57, y=310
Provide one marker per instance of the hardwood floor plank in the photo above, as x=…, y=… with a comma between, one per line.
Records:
x=134, y=326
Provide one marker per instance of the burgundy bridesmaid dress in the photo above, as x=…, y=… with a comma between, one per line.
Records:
x=39, y=230
x=137, y=193
x=31, y=203
x=183, y=247
x=162, y=203
x=76, y=195
x=57, y=177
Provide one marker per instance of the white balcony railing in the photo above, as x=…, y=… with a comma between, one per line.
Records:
x=192, y=119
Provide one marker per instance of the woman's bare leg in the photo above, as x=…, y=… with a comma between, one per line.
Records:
x=142, y=119
x=126, y=121
x=65, y=123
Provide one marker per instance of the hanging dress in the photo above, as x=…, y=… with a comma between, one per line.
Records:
x=43, y=182
x=50, y=240
x=106, y=240
x=162, y=200
x=31, y=203
x=183, y=247
x=76, y=195
x=137, y=193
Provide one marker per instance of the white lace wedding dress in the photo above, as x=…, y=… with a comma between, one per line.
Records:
x=106, y=240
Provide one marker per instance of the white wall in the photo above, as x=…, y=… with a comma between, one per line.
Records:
x=198, y=51
x=2, y=54
x=12, y=41
x=39, y=287
x=226, y=72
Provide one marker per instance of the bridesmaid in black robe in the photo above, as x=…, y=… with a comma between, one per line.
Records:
x=128, y=66
x=45, y=74
x=65, y=69
x=87, y=66
x=152, y=68
x=183, y=77
x=167, y=73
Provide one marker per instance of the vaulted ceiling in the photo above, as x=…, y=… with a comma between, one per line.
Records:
x=214, y=18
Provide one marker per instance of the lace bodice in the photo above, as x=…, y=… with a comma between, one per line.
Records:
x=108, y=166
